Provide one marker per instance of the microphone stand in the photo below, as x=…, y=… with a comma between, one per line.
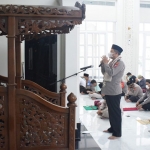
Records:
x=62, y=80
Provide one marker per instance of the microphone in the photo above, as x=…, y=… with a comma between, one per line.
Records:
x=100, y=65
x=84, y=68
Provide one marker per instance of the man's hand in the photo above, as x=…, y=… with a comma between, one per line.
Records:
x=105, y=60
x=139, y=106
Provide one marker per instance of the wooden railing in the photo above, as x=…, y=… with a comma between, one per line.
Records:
x=3, y=119
x=3, y=79
x=55, y=98
x=42, y=125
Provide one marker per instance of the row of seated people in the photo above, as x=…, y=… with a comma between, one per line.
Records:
x=132, y=91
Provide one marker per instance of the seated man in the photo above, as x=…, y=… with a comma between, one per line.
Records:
x=129, y=76
x=96, y=90
x=82, y=85
x=142, y=83
x=88, y=81
x=134, y=92
x=144, y=102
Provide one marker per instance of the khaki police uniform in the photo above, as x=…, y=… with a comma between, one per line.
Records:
x=112, y=91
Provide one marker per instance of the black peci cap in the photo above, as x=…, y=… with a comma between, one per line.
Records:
x=117, y=48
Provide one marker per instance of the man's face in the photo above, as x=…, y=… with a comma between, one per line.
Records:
x=94, y=84
x=114, y=54
x=131, y=86
x=86, y=78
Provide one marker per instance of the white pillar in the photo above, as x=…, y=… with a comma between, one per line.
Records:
x=127, y=32
x=71, y=60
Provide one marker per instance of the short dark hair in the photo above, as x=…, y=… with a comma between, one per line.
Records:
x=128, y=74
x=93, y=81
x=148, y=80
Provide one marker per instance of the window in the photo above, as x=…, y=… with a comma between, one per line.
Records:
x=144, y=50
x=96, y=38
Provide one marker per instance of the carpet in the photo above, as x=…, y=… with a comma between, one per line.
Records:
x=90, y=107
x=130, y=109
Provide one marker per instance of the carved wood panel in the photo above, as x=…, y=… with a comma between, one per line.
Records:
x=38, y=126
x=3, y=26
x=44, y=95
x=3, y=121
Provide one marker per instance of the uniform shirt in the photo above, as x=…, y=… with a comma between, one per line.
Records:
x=82, y=82
x=142, y=83
x=116, y=72
x=97, y=88
x=145, y=98
x=136, y=91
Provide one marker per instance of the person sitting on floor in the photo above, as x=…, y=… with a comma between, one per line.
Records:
x=103, y=109
x=134, y=92
x=134, y=78
x=88, y=81
x=142, y=83
x=82, y=86
x=144, y=102
x=96, y=90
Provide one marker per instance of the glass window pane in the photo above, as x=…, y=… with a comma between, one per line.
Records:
x=147, y=74
x=102, y=51
x=81, y=51
x=95, y=51
x=147, y=41
x=96, y=62
x=147, y=26
x=147, y=67
x=91, y=25
x=89, y=61
x=82, y=26
x=140, y=66
x=110, y=26
x=81, y=38
x=102, y=39
x=140, y=45
x=90, y=39
x=110, y=40
x=148, y=53
x=101, y=26
x=141, y=27
x=82, y=62
x=95, y=39
x=95, y=74
x=89, y=50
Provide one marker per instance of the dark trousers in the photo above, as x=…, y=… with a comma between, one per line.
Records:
x=133, y=98
x=84, y=90
x=115, y=119
x=146, y=106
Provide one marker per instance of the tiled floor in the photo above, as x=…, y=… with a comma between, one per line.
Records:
x=135, y=136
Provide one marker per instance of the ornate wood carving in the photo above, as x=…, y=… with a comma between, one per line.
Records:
x=72, y=98
x=33, y=10
x=40, y=27
x=40, y=126
x=3, y=120
x=3, y=26
x=45, y=96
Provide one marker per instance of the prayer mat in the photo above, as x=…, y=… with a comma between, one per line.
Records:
x=130, y=109
x=90, y=107
x=144, y=122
